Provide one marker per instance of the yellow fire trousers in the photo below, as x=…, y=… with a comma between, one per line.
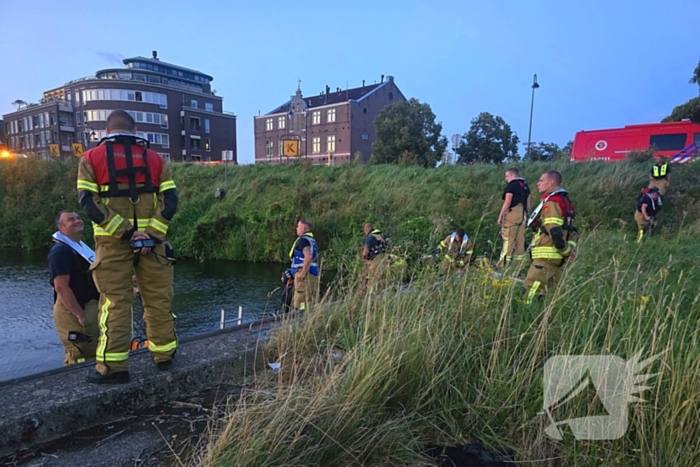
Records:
x=306, y=291
x=112, y=272
x=76, y=352
x=513, y=234
x=544, y=275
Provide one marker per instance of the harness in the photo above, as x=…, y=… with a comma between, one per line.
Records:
x=654, y=204
x=380, y=246
x=131, y=172
x=559, y=195
x=80, y=248
x=462, y=247
x=297, y=256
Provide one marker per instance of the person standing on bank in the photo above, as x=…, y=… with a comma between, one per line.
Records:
x=555, y=237
x=75, y=295
x=374, y=256
x=127, y=191
x=660, y=175
x=512, y=218
x=645, y=214
x=304, y=268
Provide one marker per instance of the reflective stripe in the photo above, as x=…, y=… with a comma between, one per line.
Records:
x=167, y=185
x=302, y=306
x=102, y=323
x=533, y=291
x=85, y=185
x=469, y=252
x=80, y=360
x=640, y=235
x=159, y=226
x=162, y=348
x=110, y=229
x=518, y=257
x=554, y=220
x=545, y=252
x=114, y=357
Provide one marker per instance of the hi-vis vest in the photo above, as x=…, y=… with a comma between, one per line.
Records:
x=660, y=172
x=462, y=247
x=380, y=247
x=297, y=257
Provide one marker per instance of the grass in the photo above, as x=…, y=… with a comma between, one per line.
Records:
x=372, y=381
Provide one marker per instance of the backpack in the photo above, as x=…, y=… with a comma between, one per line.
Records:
x=567, y=209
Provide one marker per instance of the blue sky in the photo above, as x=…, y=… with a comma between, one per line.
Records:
x=599, y=63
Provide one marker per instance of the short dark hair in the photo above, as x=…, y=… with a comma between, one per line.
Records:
x=514, y=171
x=58, y=217
x=306, y=222
x=555, y=176
x=120, y=120
x=460, y=232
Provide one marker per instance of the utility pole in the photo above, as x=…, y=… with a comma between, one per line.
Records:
x=532, y=105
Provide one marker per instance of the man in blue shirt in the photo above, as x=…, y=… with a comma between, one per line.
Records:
x=304, y=267
x=75, y=295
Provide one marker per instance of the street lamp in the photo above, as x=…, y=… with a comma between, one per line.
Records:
x=532, y=105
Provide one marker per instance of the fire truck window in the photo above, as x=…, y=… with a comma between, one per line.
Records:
x=674, y=142
x=697, y=139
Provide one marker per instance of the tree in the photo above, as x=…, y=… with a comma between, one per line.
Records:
x=408, y=135
x=690, y=110
x=489, y=139
x=696, y=75
x=19, y=103
x=548, y=152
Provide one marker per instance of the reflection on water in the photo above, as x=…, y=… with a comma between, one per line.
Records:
x=29, y=341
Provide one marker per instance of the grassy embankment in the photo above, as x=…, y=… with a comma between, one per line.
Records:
x=372, y=381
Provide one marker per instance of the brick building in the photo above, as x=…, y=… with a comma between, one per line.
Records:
x=174, y=108
x=331, y=128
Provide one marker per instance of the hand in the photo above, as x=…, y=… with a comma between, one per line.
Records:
x=300, y=276
x=81, y=318
x=141, y=236
x=500, y=219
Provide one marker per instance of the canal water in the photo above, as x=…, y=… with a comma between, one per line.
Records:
x=28, y=340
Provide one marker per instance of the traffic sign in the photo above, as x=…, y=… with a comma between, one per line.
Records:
x=77, y=149
x=290, y=147
x=54, y=150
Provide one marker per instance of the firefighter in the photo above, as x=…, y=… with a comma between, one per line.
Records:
x=645, y=214
x=128, y=193
x=456, y=250
x=660, y=175
x=512, y=218
x=554, y=239
x=75, y=295
x=374, y=257
x=304, y=269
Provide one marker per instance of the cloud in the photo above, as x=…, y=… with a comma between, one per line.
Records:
x=111, y=57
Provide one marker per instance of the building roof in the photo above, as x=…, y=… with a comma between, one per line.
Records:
x=160, y=62
x=336, y=97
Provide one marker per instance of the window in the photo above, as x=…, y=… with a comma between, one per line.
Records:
x=194, y=124
x=165, y=156
x=316, y=117
x=53, y=118
x=280, y=148
x=673, y=142
x=331, y=116
x=330, y=143
x=316, y=144
x=193, y=103
x=209, y=106
x=268, y=148
x=268, y=124
x=206, y=125
x=697, y=139
x=165, y=141
x=281, y=122
x=391, y=96
x=195, y=144
x=207, y=144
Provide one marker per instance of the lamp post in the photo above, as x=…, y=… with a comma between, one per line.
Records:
x=532, y=105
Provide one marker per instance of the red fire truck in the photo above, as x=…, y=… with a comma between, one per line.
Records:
x=679, y=141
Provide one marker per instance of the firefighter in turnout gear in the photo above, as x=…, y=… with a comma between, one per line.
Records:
x=660, y=175
x=128, y=193
x=554, y=239
x=513, y=217
x=304, y=256
x=456, y=250
x=374, y=257
x=645, y=214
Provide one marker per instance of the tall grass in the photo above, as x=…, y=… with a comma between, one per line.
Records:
x=372, y=381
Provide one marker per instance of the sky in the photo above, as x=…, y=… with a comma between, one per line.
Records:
x=599, y=63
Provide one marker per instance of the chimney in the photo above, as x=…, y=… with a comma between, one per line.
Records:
x=390, y=78
x=382, y=80
x=363, y=84
x=155, y=55
x=328, y=89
